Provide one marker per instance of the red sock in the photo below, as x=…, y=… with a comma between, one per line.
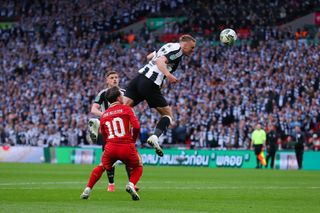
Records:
x=136, y=174
x=95, y=176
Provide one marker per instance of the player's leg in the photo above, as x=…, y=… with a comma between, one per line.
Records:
x=165, y=120
x=134, y=178
x=161, y=127
x=155, y=99
x=142, y=88
x=134, y=162
x=106, y=164
x=136, y=174
x=94, y=126
x=94, y=178
x=131, y=187
x=109, y=162
x=137, y=188
x=110, y=174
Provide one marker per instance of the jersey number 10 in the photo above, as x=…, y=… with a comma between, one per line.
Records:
x=116, y=128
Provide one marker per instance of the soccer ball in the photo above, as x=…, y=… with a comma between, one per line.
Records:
x=228, y=36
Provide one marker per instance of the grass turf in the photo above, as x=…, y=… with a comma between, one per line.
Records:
x=56, y=188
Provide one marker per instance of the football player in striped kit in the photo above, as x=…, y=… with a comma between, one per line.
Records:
x=147, y=84
x=100, y=105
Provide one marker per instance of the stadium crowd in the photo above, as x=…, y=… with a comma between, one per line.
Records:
x=51, y=74
x=85, y=14
x=210, y=17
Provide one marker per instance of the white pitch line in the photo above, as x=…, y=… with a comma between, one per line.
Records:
x=163, y=187
x=235, y=187
x=40, y=183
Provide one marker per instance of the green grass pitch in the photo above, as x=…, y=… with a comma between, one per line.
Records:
x=56, y=188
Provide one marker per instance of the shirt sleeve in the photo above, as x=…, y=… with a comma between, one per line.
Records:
x=98, y=99
x=171, y=51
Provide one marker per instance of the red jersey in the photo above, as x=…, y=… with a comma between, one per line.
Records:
x=119, y=124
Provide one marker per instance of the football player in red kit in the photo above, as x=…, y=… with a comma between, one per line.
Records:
x=99, y=106
x=120, y=128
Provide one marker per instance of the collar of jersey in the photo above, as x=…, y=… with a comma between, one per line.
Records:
x=114, y=104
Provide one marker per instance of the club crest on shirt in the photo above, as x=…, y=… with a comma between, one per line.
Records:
x=175, y=56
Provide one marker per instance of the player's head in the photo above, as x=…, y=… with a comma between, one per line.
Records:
x=188, y=43
x=113, y=94
x=112, y=78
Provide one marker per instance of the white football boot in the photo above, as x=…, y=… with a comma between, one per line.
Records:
x=86, y=193
x=153, y=141
x=132, y=191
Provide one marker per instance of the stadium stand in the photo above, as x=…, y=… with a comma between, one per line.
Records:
x=53, y=63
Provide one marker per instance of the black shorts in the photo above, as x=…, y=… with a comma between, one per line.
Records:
x=141, y=88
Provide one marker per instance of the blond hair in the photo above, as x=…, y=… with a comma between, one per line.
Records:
x=186, y=38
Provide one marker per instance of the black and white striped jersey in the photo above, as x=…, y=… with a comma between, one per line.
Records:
x=102, y=101
x=173, y=52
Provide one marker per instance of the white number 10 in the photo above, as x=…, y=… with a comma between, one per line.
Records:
x=114, y=130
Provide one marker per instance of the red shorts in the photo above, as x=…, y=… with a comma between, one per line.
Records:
x=127, y=153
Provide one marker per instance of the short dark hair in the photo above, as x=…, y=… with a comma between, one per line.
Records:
x=186, y=38
x=112, y=94
x=110, y=72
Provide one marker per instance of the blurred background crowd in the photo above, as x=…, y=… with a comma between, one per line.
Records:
x=54, y=56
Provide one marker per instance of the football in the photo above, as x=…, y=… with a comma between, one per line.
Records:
x=228, y=36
